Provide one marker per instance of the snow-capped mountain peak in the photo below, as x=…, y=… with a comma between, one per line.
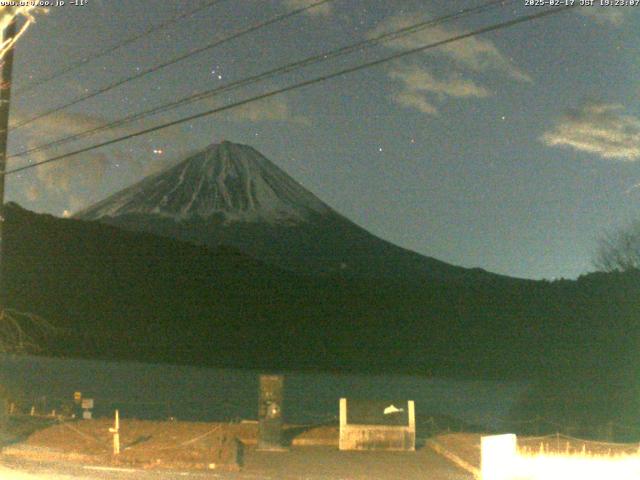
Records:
x=228, y=181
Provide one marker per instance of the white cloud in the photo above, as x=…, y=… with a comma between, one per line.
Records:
x=321, y=10
x=81, y=179
x=272, y=109
x=72, y=181
x=83, y=172
x=80, y=176
x=474, y=53
x=418, y=79
x=420, y=88
x=604, y=15
x=415, y=100
x=598, y=128
x=60, y=123
x=419, y=85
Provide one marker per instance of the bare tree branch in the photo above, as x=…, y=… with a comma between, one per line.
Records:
x=619, y=250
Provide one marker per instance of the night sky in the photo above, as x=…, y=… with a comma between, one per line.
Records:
x=512, y=151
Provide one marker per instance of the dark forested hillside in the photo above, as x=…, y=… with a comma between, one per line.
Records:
x=117, y=294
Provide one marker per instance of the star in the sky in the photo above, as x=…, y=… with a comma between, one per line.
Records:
x=215, y=73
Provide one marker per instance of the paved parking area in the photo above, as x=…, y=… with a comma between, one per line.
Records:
x=299, y=463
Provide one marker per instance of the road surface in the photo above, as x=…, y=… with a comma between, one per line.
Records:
x=305, y=463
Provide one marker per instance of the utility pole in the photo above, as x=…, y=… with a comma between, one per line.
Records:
x=5, y=97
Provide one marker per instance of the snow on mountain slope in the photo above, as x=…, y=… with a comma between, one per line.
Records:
x=229, y=194
x=229, y=180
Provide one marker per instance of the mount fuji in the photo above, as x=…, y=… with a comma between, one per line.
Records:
x=230, y=194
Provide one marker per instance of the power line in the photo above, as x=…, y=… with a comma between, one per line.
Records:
x=151, y=70
x=491, y=28
x=115, y=48
x=283, y=69
x=268, y=74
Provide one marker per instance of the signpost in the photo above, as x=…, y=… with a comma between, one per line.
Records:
x=270, y=413
x=77, y=405
x=87, y=406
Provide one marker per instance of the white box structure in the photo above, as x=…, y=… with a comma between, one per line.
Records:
x=377, y=425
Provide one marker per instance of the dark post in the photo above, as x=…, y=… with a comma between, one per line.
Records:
x=5, y=96
x=270, y=412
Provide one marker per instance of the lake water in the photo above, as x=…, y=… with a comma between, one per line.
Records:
x=156, y=391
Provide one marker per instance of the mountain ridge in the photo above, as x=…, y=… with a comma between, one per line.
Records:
x=231, y=194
